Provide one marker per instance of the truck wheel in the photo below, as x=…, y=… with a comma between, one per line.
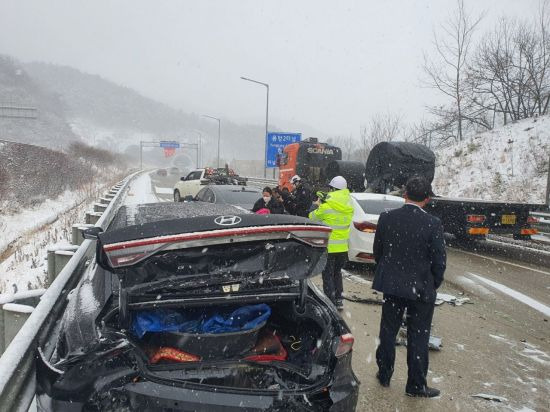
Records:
x=177, y=197
x=522, y=237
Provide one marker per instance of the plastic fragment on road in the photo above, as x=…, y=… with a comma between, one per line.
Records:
x=357, y=299
x=451, y=299
x=490, y=397
x=434, y=343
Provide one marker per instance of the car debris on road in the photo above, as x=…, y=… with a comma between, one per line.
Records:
x=451, y=299
x=490, y=397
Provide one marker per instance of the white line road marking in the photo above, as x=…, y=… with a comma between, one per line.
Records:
x=535, y=304
x=519, y=247
x=467, y=282
x=503, y=261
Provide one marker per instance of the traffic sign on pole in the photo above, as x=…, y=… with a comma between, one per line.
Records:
x=276, y=143
x=169, y=144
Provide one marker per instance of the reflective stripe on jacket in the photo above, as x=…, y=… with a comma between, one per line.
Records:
x=336, y=212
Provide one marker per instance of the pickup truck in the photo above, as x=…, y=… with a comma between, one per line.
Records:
x=189, y=186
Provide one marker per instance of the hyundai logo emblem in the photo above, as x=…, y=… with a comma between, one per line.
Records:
x=227, y=220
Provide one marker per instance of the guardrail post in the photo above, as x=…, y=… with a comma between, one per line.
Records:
x=92, y=217
x=104, y=200
x=14, y=316
x=62, y=257
x=2, y=339
x=57, y=262
x=76, y=233
x=99, y=207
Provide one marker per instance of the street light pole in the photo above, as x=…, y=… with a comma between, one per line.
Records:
x=219, y=132
x=266, y=118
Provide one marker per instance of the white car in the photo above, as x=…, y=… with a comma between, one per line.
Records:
x=367, y=207
x=190, y=185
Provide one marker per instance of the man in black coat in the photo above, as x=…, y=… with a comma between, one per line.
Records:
x=299, y=201
x=410, y=256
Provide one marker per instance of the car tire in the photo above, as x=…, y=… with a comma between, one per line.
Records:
x=177, y=197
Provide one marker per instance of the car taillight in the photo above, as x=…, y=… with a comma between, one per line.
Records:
x=476, y=218
x=345, y=344
x=366, y=227
x=532, y=220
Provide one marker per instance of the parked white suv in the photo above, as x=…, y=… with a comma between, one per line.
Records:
x=190, y=184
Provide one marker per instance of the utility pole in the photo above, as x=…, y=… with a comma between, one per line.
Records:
x=548, y=186
x=141, y=155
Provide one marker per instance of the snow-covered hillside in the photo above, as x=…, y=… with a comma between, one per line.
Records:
x=509, y=163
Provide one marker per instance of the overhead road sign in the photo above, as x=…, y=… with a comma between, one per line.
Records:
x=276, y=143
x=169, y=144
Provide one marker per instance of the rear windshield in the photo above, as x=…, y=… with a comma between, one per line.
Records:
x=221, y=263
x=238, y=196
x=377, y=206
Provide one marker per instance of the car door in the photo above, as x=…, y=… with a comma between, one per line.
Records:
x=192, y=183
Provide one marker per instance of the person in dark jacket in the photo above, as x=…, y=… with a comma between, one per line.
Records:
x=267, y=201
x=298, y=202
x=410, y=257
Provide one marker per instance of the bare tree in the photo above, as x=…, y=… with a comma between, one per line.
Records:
x=447, y=70
x=381, y=128
x=510, y=74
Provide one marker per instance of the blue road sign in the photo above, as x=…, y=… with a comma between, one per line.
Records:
x=170, y=145
x=276, y=143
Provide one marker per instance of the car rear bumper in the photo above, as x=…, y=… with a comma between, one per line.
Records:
x=152, y=396
x=360, y=246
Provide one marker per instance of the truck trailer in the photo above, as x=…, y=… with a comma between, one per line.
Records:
x=389, y=166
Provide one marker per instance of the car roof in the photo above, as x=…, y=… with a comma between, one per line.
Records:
x=234, y=188
x=375, y=196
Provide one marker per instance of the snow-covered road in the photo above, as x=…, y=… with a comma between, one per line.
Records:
x=141, y=191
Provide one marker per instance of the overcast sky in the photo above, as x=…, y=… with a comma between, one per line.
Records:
x=330, y=64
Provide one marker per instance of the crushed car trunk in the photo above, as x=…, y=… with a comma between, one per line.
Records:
x=290, y=350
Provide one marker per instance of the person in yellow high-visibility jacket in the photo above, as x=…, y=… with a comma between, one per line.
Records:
x=335, y=211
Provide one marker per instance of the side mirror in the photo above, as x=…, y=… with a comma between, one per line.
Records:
x=92, y=233
x=183, y=178
x=188, y=198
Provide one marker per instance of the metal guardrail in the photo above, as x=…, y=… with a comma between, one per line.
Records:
x=543, y=225
x=256, y=181
x=17, y=364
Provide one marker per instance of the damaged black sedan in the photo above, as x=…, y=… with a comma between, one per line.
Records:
x=196, y=307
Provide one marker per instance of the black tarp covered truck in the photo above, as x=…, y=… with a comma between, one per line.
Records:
x=389, y=166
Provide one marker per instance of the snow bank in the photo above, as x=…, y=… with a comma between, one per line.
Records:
x=509, y=163
x=30, y=219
